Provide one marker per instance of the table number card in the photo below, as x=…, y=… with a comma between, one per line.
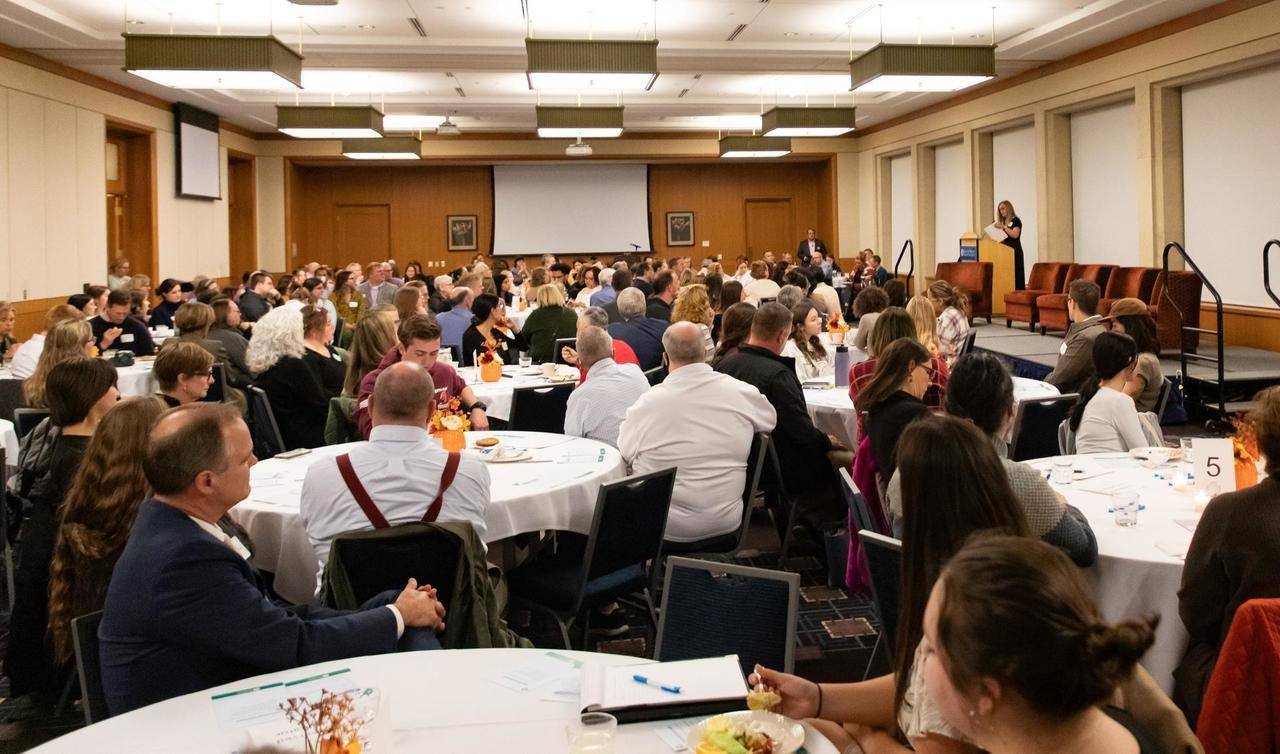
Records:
x=1215, y=465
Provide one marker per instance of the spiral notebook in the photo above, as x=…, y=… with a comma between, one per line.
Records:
x=707, y=686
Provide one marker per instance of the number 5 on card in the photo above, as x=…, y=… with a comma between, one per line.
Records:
x=1215, y=465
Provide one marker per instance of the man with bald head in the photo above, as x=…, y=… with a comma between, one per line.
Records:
x=701, y=422
x=596, y=407
x=406, y=475
x=186, y=611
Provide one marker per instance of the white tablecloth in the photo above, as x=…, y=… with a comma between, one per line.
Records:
x=1139, y=568
x=517, y=317
x=137, y=379
x=556, y=490
x=440, y=702
x=497, y=395
x=9, y=441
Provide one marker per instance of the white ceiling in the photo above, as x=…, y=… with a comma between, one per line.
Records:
x=471, y=61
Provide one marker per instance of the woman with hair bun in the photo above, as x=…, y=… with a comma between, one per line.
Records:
x=1017, y=658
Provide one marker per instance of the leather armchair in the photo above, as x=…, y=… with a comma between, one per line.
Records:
x=1053, y=306
x=975, y=279
x=1128, y=282
x=1045, y=278
x=1183, y=289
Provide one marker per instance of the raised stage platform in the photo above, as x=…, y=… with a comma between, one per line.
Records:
x=1246, y=370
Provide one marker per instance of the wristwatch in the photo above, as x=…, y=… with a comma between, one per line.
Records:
x=480, y=405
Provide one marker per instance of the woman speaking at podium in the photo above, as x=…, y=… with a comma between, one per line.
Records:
x=1007, y=220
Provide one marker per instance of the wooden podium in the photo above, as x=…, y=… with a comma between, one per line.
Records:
x=1002, y=280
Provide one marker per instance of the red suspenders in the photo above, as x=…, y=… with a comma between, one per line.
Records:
x=366, y=503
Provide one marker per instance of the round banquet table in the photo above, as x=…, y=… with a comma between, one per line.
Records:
x=9, y=441
x=136, y=380
x=555, y=490
x=1139, y=568
x=517, y=317
x=446, y=702
x=833, y=412
x=497, y=395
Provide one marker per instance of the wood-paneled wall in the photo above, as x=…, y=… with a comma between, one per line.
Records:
x=717, y=192
x=419, y=199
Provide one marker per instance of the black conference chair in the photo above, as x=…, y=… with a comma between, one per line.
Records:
x=557, y=355
x=1162, y=400
x=540, y=409
x=883, y=556
x=701, y=614
x=27, y=419
x=967, y=345
x=783, y=506
x=368, y=563
x=734, y=541
x=84, y=639
x=609, y=563
x=1035, y=426
x=11, y=397
x=655, y=375
x=218, y=388
x=267, y=440
x=863, y=516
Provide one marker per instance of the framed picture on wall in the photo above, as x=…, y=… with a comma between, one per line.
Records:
x=679, y=229
x=462, y=232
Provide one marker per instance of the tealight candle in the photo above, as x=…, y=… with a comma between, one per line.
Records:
x=1202, y=500
x=1180, y=482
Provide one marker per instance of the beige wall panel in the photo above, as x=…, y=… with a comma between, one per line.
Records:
x=9, y=290
x=91, y=180
x=26, y=195
x=271, y=212
x=61, y=215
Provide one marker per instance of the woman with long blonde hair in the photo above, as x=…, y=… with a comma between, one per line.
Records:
x=97, y=515
x=1007, y=221
x=926, y=322
x=374, y=336
x=693, y=305
x=66, y=341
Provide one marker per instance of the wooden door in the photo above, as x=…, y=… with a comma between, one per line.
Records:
x=364, y=233
x=242, y=254
x=115, y=227
x=769, y=227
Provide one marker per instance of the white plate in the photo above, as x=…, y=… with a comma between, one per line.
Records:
x=489, y=455
x=787, y=734
x=1153, y=455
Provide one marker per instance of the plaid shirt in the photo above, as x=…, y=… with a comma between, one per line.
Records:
x=953, y=327
x=861, y=373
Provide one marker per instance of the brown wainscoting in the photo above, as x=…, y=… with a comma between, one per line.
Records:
x=30, y=315
x=1253, y=326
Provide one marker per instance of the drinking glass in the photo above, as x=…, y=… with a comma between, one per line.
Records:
x=526, y=359
x=1063, y=469
x=592, y=733
x=1125, y=505
x=1185, y=444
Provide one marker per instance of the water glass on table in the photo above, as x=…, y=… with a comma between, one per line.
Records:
x=1063, y=469
x=1184, y=443
x=1125, y=505
x=526, y=359
x=592, y=733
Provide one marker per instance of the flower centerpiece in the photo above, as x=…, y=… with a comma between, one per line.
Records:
x=449, y=423
x=332, y=725
x=1247, y=456
x=837, y=329
x=490, y=363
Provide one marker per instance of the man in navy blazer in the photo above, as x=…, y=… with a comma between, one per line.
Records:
x=809, y=246
x=643, y=334
x=185, y=610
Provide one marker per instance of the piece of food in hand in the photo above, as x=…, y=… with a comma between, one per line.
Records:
x=762, y=698
x=487, y=442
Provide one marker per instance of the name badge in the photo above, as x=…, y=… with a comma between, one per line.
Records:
x=1062, y=349
x=126, y=338
x=353, y=304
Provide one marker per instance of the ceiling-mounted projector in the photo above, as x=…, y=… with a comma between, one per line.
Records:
x=448, y=128
x=578, y=149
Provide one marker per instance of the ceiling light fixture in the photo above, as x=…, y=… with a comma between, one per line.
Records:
x=193, y=61
x=388, y=148
x=576, y=64
x=338, y=122
x=922, y=68
x=579, y=122
x=754, y=146
x=807, y=121
x=411, y=122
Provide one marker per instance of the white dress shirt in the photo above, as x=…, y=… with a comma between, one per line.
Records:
x=701, y=422
x=597, y=406
x=761, y=288
x=400, y=467
x=24, y=361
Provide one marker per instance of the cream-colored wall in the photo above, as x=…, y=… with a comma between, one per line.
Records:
x=1151, y=73
x=53, y=234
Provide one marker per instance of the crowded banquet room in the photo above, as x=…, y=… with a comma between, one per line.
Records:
x=640, y=376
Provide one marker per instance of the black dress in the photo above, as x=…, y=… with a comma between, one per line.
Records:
x=163, y=313
x=1019, y=271
x=29, y=661
x=885, y=423
x=331, y=370
x=298, y=400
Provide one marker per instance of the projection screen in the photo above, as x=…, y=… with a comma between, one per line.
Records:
x=570, y=209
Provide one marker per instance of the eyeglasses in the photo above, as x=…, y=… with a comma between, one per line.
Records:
x=928, y=370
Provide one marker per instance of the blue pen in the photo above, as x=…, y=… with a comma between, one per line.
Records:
x=655, y=684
